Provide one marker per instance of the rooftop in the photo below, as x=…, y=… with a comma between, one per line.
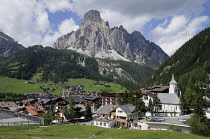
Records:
x=168, y=98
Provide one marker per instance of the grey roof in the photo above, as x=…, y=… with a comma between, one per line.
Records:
x=168, y=98
x=78, y=99
x=91, y=97
x=106, y=109
x=55, y=99
x=172, y=80
x=127, y=108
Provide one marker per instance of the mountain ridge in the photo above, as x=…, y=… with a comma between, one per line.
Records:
x=8, y=46
x=96, y=39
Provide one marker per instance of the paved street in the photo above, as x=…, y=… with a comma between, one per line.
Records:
x=174, y=120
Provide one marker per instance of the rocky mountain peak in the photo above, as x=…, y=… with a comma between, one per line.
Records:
x=93, y=18
x=8, y=45
x=95, y=38
x=6, y=37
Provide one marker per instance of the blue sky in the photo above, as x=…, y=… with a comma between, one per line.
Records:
x=168, y=23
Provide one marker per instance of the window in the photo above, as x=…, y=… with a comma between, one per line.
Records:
x=104, y=124
x=100, y=123
x=119, y=111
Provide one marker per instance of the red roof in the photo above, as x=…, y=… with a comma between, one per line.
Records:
x=35, y=110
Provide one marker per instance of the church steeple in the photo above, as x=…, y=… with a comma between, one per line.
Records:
x=172, y=80
x=173, y=86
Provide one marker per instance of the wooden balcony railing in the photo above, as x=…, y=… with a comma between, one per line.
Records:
x=121, y=120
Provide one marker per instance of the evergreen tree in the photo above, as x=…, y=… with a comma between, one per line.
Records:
x=70, y=112
x=150, y=107
x=119, y=99
x=139, y=103
x=198, y=122
x=156, y=104
x=48, y=118
x=88, y=113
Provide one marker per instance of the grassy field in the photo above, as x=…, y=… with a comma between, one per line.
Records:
x=89, y=86
x=8, y=85
x=82, y=131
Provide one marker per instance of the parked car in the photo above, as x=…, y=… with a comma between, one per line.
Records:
x=156, y=119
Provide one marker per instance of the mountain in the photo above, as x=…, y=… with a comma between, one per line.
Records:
x=190, y=63
x=8, y=45
x=48, y=64
x=95, y=38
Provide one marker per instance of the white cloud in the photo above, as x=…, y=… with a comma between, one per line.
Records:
x=57, y=5
x=130, y=24
x=179, y=30
x=133, y=8
x=135, y=14
x=25, y=21
x=65, y=27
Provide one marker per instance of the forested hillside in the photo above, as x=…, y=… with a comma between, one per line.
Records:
x=191, y=66
x=60, y=65
x=191, y=61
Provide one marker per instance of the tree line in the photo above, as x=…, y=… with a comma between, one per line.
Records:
x=60, y=65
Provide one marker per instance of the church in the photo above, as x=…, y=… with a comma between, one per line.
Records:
x=168, y=95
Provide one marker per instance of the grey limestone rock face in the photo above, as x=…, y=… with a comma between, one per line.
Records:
x=94, y=37
x=8, y=46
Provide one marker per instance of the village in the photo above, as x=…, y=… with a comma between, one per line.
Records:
x=101, y=109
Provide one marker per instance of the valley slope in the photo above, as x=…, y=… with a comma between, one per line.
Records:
x=60, y=65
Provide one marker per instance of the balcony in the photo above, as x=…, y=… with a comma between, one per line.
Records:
x=121, y=120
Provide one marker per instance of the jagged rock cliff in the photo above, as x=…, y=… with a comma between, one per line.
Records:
x=8, y=46
x=95, y=38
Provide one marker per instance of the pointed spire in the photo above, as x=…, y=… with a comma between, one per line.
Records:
x=172, y=80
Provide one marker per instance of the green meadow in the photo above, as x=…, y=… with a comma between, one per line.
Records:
x=8, y=85
x=89, y=85
x=84, y=132
x=18, y=86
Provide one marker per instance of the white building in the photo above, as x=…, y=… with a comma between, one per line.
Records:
x=170, y=105
x=173, y=89
x=170, y=102
x=116, y=115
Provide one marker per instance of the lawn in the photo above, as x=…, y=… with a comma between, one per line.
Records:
x=83, y=131
x=18, y=86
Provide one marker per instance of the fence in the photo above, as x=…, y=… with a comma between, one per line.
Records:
x=20, y=123
x=12, y=114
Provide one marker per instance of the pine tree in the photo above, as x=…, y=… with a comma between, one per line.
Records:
x=150, y=106
x=70, y=112
x=198, y=122
x=88, y=113
x=119, y=99
x=156, y=104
